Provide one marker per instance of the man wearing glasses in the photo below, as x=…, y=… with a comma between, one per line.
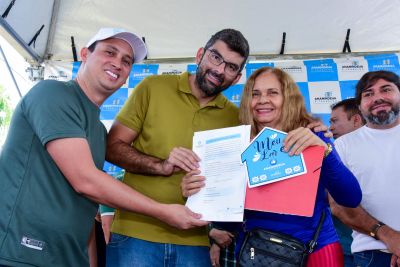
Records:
x=152, y=139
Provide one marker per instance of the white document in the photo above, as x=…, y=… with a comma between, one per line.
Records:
x=222, y=198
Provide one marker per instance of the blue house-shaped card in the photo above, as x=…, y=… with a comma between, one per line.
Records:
x=266, y=161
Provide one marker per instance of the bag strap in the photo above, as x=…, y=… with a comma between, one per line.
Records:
x=313, y=243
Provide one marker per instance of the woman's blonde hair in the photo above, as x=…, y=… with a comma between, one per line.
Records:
x=293, y=113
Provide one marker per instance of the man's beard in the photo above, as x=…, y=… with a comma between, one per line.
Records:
x=384, y=117
x=202, y=83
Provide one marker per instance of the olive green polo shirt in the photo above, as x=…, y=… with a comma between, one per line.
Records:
x=165, y=114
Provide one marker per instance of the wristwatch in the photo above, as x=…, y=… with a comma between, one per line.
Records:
x=375, y=229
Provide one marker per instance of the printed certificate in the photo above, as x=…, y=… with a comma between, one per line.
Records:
x=222, y=198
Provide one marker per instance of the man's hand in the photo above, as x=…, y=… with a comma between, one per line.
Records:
x=221, y=237
x=360, y=220
x=121, y=152
x=106, y=222
x=180, y=158
x=395, y=261
x=391, y=238
x=318, y=126
x=215, y=251
x=192, y=183
x=180, y=216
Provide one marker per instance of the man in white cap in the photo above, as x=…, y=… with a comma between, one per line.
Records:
x=50, y=166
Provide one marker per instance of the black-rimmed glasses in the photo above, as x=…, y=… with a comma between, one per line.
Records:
x=215, y=58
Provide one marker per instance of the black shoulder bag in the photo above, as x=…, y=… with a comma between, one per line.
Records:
x=273, y=249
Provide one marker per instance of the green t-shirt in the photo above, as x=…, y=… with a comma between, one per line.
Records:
x=43, y=221
x=164, y=112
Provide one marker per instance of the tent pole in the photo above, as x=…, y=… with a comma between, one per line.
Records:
x=20, y=41
x=10, y=71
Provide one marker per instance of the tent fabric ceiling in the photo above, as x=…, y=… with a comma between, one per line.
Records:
x=177, y=28
x=25, y=19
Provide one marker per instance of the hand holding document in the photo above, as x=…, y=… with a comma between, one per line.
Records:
x=276, y=182
x=222, y=198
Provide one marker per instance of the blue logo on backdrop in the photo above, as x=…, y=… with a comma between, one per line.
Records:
x=303, y=87
x=348, y=88
x=191, y=68
x=321, y=70
x=389, y=62
x=251, y=67
x=113, y=104
x=234, y=93
x=141, y=71
x=75, y=68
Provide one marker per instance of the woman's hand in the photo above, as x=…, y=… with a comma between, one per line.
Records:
x=192, y=183
x=299, y=139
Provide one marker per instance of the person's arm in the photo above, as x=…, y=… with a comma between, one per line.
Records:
x=215, y=252
x=106, y=222
x=360, y=220
x=340, y=182
x=221, y=237
x=74, y=159
x=121, y=153
x=319, y=126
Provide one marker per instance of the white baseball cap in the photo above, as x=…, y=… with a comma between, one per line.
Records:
x=137, y=44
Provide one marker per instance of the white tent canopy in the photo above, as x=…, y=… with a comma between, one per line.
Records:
x=176, y=29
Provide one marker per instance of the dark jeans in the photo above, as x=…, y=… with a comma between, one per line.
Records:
x=124, y=251
x=372, y=258
x=349, y=260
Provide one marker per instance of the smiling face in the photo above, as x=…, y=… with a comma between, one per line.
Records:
x=267, y=101
x=380, y=104
x=212, y=79
x=107, y=67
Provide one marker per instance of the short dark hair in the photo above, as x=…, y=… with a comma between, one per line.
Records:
x=234, y=40
x=370, y=78
x=350, y=107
